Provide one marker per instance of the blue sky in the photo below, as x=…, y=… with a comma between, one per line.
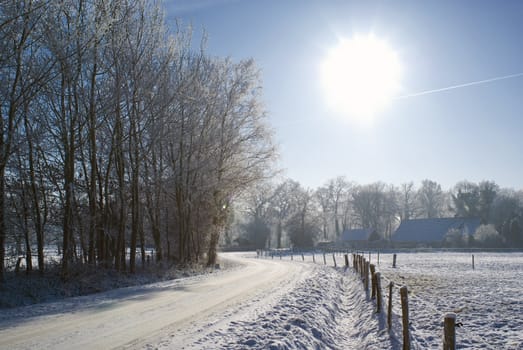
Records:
x=472, y=132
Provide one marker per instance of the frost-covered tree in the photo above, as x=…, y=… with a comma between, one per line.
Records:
x=257, y=207
x=488, y=191
x=406, y=199
x=506, y=215
x=466, y=199
x=133, y=136
x=322, y=195
x=303, y=226
x=431, y=199
x=375, y=207
x=24, y=69
x=338, y=192
x=284, y=204
x=333, y=199
x=488, y=236
x=474, y=200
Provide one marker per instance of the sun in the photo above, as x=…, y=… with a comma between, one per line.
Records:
x=360, y=76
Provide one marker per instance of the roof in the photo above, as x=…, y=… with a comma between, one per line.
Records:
x=432, y=230
x=359, y=234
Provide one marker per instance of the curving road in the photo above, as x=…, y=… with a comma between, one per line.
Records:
x=134, y=317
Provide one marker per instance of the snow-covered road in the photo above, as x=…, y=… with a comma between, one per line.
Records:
x=134, y=317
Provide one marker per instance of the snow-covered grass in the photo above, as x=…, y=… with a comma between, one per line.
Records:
x=488, y=299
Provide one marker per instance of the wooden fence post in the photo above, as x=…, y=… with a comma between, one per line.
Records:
x=389, y=308
x=346, y=261
x=292, y=256
x=377, y=277
x=449, y=332
x=366, y=278
x=302, y=257
x=405, y=317
x=394, y=260
x=378, y=258
x=324, y=259
x=472, y=261
x=334, y=260
x=313, y=258
x=373, y=280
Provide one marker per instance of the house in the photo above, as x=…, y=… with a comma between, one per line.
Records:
x=432, y=231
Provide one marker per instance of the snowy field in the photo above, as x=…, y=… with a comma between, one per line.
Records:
x=488, y=299
x=282, y=304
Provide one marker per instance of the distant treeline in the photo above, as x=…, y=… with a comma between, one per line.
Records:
x=285, y=214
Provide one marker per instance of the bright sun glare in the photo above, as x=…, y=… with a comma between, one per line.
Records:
x=360, y=76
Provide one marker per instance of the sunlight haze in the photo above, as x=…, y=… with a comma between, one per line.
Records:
x=360, y=76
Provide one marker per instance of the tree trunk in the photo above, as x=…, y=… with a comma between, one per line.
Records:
x=211, y=254
x=28, y=253
x=120, y=170
x=37, y=213
x=142, y=243
x=2, y=220
x=279, y=233
x=135, y=199
x=93, y=167
x=67, y=248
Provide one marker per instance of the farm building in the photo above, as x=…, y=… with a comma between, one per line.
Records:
x=432, y=231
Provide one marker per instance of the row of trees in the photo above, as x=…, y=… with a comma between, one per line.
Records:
x=275, y=212
x=116, y=134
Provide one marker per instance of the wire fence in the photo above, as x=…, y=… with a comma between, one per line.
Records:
x=380, y=287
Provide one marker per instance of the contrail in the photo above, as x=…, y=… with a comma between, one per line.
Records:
x=462, y=85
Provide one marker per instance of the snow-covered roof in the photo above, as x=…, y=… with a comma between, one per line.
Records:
x=359, y=234
x=432, y=230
